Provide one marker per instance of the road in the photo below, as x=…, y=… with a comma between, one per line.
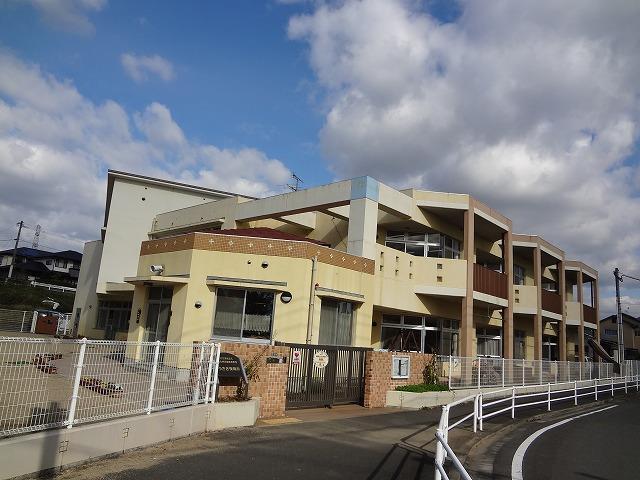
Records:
x=387, y=446
x=601, y=446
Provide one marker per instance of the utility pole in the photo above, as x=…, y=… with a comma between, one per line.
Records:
x=618, y=277
x=15, y=250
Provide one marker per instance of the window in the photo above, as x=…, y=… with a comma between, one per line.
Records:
x=435, y=245
x=611, y=333
x=243, y=314
x=60, y=263
x=113, y=315
x=549, y=348
x=405, y=333
x=48, y=261
x=518, y=275
x=489, y=342
x=549, y=286
x=336, y=322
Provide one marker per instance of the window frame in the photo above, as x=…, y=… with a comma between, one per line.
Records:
x=241, y=338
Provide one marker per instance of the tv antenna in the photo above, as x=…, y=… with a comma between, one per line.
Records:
x=298, y=180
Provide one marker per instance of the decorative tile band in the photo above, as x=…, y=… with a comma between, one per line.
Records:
x=258, y=246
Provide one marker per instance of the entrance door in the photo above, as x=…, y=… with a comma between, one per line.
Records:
x=324, y=375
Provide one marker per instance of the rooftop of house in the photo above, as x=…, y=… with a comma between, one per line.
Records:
x=629, y=319
x=33, y=253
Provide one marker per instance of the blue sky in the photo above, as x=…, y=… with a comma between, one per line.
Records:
x=532, y=106
x=239, y=80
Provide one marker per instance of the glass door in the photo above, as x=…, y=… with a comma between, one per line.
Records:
x=158, y=314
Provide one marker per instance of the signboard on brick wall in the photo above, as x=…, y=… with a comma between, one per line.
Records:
x=400, y=367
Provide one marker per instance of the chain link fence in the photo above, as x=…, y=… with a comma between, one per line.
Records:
x=47, y=383
x=479, y=372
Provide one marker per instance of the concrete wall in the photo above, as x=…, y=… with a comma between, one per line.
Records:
x=86, y=298
x=134, y=205
x=52, y=450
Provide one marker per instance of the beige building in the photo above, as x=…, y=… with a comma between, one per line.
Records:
x=355, y=263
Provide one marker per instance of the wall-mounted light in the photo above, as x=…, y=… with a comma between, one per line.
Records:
x=198, y=304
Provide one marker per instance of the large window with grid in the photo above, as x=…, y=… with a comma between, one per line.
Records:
x=425, y=334
x=436, y=245
x=336, y=322
x=489, y=342
x=114, y=315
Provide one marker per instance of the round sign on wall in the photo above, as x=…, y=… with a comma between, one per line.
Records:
x=320, y=359
x=285, y=297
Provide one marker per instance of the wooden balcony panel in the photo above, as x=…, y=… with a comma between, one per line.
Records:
x=489, y=281
x=589, y=314
x=551, y=302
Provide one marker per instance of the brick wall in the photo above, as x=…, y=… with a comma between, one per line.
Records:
x=377, y=371
x=272, y=382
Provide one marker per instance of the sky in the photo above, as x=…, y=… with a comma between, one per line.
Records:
x=531, y=106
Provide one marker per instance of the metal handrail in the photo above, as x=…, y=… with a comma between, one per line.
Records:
x=594, y=387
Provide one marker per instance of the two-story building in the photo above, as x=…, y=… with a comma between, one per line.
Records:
x=41, y=265
x=354, y=262
x=630, y=336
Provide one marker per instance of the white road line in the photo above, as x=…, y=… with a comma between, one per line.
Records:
x=518, y=458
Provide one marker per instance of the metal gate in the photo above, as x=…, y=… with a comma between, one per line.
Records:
x=324, y=375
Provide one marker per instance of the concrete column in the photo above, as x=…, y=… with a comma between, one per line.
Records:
x=466, y=320
x=596, y=305
x=537, y=319
x=581, y=327
x=562, y=326
x=363, y=227
x=507, y=313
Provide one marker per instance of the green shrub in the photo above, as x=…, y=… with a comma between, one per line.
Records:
x=421, y=387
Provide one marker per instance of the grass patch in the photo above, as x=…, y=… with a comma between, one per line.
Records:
x=421, y=388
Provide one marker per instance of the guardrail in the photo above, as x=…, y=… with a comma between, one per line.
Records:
x=48, y=383
x=509, y=396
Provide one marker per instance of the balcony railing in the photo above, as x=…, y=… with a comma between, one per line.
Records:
x=589, y=314
x=489, y=281
x=551, y=302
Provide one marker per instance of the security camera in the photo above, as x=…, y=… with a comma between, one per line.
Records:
x=157, y=269
x=198, y=304
x=265, y=264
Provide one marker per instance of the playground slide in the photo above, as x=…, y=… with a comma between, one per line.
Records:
x=601, y=352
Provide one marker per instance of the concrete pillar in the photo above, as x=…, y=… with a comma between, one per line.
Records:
x=507, y=313
x=537, y=318
x=596, y=305
x=466, y=320
x=562, y=326
x=581, y=327
x=363, y=227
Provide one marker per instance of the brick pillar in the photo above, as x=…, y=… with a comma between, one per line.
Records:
x=537, y=319
x=562, y=326
x=466, y=320
x=507, y=313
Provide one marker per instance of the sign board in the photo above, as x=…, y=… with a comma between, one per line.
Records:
x=400, y=366
x=296, y=357
x=320, y=359
x=231, y=367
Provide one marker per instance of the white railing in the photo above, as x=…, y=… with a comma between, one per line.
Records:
x=15, y=320
x=490, y=404
x=480, y=372
x=51, y=287
x=47, y=383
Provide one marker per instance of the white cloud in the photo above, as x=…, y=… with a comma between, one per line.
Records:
x=56, y=145
x=69, y=15
x=141, y=67
x=531, y=106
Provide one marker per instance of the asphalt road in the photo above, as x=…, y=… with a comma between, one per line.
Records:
x=388, y=446
x=602, y=446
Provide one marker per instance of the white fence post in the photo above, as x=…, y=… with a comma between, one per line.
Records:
x=208, y=387
x=557, y=371
x=196, y=393
x=480, y=413
x=502, y=372
x=580, y=371
x=548, y=397
x=475, y=413
x=575, y=392
x=523, y=372
x=479, y=362
x=215, y=373
x=450, y=370
x=596, y=388
x=34, y=319
x=154, y=371
x=612, y=386
x=24, y=314
x=76, y=383
x=513, y=402
x=625, y=384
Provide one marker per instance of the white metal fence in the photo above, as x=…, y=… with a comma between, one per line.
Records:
x=46, y=383
x=15, y=320
x=490, y=404
x=480, y=372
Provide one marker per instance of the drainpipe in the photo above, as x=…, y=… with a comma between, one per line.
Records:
x=312, y=298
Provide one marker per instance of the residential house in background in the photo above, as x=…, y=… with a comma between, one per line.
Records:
x=631, y=336
x=39, y=265
x=354, y=263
